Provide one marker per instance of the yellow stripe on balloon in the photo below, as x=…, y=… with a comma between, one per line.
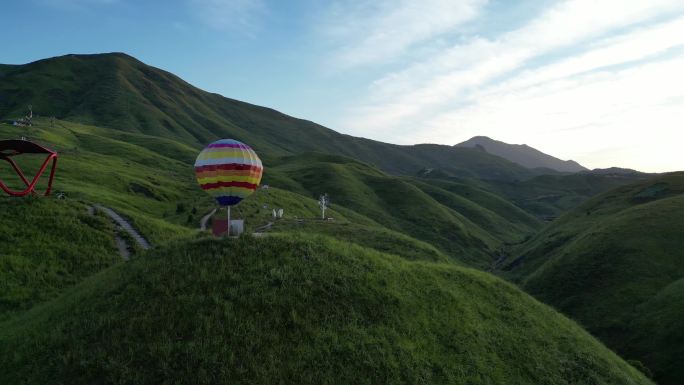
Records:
x=236, y=191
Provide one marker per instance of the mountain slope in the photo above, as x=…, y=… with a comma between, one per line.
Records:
x=501, y=218
x=549, y=196
x=610, y=264
x=118, y=91
x=48, y=245
x=656, y=333
x=304, y=311
x=522, y=154
x=463, y=229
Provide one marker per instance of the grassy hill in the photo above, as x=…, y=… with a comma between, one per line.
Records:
x=120, y=92
x=656, y=333
x=550, y=196
x=378, y=294
x=305, y=311
x=545, y=196
x=614, y=265
x=48, y=245
x=500, y=217
x=460, y=227
x=150, y=181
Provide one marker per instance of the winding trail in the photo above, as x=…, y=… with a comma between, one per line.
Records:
x=142, y=242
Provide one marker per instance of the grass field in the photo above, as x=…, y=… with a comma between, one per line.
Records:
x=304, y=310
x=47, y=246
x=614, y=265
x=383, y=292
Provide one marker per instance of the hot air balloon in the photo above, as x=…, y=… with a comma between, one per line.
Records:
x=229, y=170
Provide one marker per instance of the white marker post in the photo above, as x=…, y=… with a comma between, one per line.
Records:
x=323, y=201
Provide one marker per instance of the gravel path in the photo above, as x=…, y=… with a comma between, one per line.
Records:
x=126, y=226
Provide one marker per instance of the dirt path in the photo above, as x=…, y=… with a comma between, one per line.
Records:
x=124, y=224
x=260, y=231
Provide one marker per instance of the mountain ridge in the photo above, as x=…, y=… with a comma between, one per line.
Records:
x=115, y=90
x=522, y=154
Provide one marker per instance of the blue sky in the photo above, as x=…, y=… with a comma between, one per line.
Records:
x=597, y=81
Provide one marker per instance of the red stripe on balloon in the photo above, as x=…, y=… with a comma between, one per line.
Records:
x=209, y=186
x=229, y=166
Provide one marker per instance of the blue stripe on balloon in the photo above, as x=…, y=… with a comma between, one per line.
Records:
x=228, y=200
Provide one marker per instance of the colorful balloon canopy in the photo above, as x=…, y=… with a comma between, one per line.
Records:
x=228, y=170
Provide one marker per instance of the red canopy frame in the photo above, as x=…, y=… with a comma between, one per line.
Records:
x=10, y=148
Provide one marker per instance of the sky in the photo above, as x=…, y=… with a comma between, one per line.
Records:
x=600, y=82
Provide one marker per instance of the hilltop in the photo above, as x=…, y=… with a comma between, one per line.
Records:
x=305, y=311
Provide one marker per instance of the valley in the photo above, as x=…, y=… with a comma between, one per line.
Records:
x=437, y=264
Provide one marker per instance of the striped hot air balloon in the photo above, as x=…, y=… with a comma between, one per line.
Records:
x=228, y=170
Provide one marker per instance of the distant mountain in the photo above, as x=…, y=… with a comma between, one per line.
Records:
x=117, y=91
x=522, y=154
x=616, y=172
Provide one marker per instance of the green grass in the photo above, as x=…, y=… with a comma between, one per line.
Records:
x=47, y=246
x=304, y=311
x=393, y=202
x=311, y=310
x=605, y=264
x=375, y=237
x=550, y=196
x=656, y=333
x=118, y=91
x=133, y=174
x=96, y=168
x=488, y=211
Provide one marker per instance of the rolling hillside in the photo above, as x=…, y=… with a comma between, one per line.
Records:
x=382, y=290
x=615, y=264
x=120, y=92
x=54, y=244
x=544, y=196
x=461, y=227
x=304, y=311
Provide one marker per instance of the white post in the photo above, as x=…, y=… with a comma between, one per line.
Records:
x=323, y=202
x=228, y=232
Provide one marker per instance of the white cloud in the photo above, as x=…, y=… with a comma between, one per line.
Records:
x=498, y=87
x=376, y=31
x=595, y=118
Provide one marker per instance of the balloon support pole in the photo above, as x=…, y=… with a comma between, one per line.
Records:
x=228, y=231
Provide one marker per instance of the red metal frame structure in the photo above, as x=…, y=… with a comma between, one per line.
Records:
x=10, y=148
